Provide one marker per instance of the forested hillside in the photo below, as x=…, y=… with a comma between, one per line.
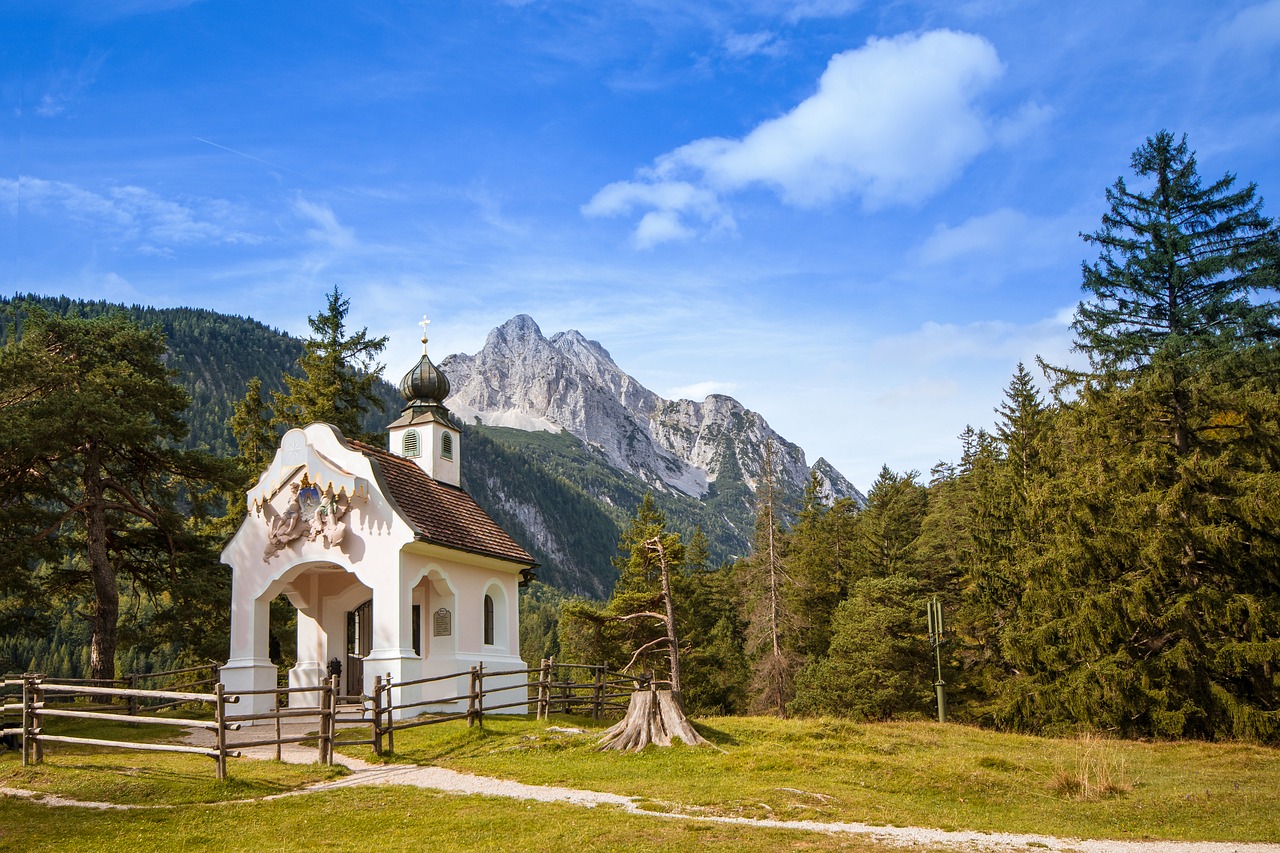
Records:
x=559, y=498
x=215, y=355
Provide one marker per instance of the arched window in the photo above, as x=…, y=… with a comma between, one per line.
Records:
x=488, y=620
x=446, y=445
x=411, y=446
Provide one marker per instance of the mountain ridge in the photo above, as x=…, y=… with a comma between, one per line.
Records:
x=558, y=496
x=522, y=379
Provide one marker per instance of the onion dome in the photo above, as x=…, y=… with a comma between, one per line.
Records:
x=425, y=384
x=424, y=389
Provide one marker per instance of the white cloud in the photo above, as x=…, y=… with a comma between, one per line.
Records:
x=822, y=9
x=131, y=213
x=892, y=122
x=919, y=393
x=701, y=390
x=328, y=230
x=762, y=43
x=50, y=106
x=671, y=201
x=1255, y=27
x=936, y=343
x=1010, y=237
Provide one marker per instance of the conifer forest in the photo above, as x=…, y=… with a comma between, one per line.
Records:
x=1106, y=552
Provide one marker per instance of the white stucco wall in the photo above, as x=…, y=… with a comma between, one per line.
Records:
x=377, y=558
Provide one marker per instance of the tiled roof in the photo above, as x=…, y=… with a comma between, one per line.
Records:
x=444, y=515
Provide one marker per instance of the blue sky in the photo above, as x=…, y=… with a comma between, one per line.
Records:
x=855, y=217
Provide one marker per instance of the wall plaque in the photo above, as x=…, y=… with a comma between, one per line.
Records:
x=441, y=623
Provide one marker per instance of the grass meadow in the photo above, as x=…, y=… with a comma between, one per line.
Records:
x=903, y=774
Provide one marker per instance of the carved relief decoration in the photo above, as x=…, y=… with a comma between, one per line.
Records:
x=309, y=512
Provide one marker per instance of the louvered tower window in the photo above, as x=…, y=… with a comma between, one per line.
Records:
x=446, y=445
x=411, y=446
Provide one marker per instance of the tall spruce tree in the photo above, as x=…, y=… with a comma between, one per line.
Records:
x=877, y=663
x=90, y=464
x=712, y=633
x=340, y=372
x=818, y=553
x=1179, y=263
x=1152, y=595
x=1023, y=418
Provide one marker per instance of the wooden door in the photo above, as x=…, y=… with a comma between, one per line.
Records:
x=359, y=644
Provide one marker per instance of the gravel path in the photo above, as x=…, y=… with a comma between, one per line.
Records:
x=363, y=773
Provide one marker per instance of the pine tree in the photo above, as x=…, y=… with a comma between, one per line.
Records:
x=715, y=663
x=1151, y=602
x=340, y=372
x=878, y=666
x=1178, y=264
x=632, y=631
x=1023, y=418
x=251, y=426
x=90, y=427
x=887, y=528
x=818, y=552
x=872, y=668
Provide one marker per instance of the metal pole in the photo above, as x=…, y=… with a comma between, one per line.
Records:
x=936, y=638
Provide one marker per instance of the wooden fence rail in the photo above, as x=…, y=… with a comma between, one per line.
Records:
x=35, y=708
x=550, y=687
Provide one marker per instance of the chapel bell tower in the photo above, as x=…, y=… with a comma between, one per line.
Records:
x=425, y=432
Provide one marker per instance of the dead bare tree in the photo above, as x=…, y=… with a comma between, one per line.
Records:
x=655, y=716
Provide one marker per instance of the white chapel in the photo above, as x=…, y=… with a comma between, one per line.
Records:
x=392, y=567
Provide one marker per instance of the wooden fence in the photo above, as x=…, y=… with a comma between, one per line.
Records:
x=116, y=703
x=550, y=688
x=36, y=708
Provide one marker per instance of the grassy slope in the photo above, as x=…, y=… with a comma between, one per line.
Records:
x=386, y=818
x=950, y=777
x=904, y=774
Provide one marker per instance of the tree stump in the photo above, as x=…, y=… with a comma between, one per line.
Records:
x=653, y=716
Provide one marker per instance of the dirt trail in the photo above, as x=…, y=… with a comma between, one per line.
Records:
x=363, y=773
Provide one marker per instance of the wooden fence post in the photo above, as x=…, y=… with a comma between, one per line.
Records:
x=480, y=694
x=540, y=709
x=28, y=723
x=391, y=708
x=550, y=677
x=133, y=700
x=275, y=706
x=220, y=716
x=324, y=742
x=37, y=728
x=471, y=698
x=377, y=715
x=598, y=697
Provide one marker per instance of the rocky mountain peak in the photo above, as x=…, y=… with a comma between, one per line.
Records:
x=522, y=379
